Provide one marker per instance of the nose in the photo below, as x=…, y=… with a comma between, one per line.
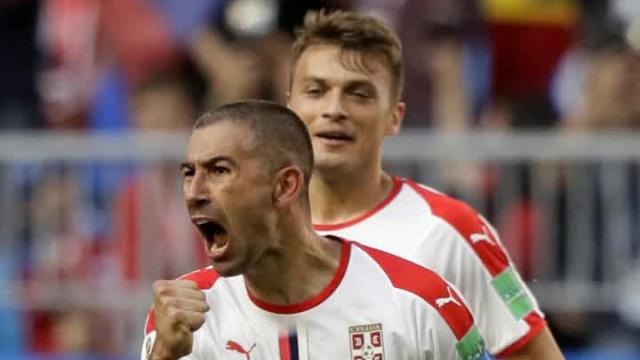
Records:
x=335, y=109
x=196, y=192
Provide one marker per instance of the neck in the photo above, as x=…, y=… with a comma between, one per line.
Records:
x=301, y=267
x=337, y=197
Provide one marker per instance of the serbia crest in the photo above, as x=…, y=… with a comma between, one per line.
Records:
x=366, y=342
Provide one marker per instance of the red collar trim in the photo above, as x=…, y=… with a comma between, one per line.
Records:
x=314, y=301
x=397, y=185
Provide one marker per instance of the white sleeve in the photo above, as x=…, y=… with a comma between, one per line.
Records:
x=444, y=345
x=505, y=311
x=442, y=341
x=444, y=323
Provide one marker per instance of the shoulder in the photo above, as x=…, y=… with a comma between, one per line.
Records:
x=204, y=278
x=468, y=225
x=456, y=212
x=426, y=285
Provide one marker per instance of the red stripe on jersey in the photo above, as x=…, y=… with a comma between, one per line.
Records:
x=283, y=344
x=427, y=285
x=536, y=324
x=151, y=322
x=345, y=254
x=204, y=278
x=397, y=185
x=470, y=225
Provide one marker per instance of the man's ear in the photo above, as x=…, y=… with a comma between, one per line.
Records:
x=397, y=115
x=289, y=182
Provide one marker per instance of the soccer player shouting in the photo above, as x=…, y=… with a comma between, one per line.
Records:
x=346, y=86
x=276, y=289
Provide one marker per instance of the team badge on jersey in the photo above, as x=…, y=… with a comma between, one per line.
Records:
x=513, y=293
x=366, y=342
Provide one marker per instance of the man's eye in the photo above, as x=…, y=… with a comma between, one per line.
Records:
x=219, y=170
x=361, y=94
x=313, y=91
x=186, y=172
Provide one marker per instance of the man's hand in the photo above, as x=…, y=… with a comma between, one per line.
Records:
x=179, y=308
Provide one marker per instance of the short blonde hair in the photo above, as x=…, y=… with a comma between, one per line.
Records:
x=354, y=32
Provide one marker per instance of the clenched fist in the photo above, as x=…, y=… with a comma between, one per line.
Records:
x=179, y=308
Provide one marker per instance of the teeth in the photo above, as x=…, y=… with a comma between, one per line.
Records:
x=201, y=221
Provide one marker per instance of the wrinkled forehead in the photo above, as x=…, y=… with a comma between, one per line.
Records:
x=222, y=138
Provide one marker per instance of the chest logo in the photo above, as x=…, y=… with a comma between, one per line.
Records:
x=450, y=299
x=366, y=342
x=234, y=346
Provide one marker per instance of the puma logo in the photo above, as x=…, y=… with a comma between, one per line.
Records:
x=484, y=236
x=444, y=301
x=234, y=346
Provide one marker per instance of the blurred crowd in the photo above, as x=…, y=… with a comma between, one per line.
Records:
x=83, y=64
x=154, y=65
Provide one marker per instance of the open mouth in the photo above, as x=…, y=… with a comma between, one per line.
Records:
x=216, y=236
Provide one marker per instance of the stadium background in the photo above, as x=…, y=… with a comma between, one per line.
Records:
x=527, y=109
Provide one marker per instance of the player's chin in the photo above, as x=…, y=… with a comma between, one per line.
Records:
x=331, y=161
x=227, y=267
x=236, y=261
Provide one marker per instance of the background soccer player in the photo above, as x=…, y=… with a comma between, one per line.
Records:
x=276, y=289
x=346, y=86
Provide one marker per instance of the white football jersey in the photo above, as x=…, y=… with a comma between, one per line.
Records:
x=378, y=306
x=450, y=238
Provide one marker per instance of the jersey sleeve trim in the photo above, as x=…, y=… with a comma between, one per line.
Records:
x=397, y=185
x=427, y=285
x=204, y=278
x=536, y=324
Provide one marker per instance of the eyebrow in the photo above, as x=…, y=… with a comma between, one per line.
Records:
x=216, y=159
x=350, y=83
x=207, y=162
x=360, y=83
x=314, y=79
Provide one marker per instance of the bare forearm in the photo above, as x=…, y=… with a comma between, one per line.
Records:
x=542, y=347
